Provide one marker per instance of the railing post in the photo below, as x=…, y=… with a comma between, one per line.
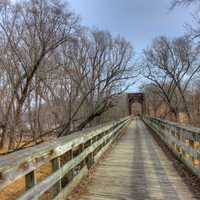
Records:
x=55, y=166
x=82, y=149
x=71, y=173
x=90, y=158
x=195, y=146
x=30, y=180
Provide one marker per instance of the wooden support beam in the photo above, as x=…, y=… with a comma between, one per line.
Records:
x=30, y=180
x=56, y=166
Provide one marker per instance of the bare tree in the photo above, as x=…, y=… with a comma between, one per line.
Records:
x=171, y=65
x=193, y=30
x=100, y=65
x=175, y=3
x=56, y=77
x=30, y=32
x=153, y=99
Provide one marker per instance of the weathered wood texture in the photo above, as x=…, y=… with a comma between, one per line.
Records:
x=184, y=141
x=136, y=168
x=70, y=157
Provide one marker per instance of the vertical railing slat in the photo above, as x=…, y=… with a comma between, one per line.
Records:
x=30, y=180
x=55, y=166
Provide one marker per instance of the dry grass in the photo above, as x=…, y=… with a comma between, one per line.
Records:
x=17, y=188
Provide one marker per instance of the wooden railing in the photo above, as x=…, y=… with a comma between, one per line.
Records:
x=184, y=141
x=70, y=158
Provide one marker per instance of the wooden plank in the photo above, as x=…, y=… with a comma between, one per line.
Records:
x=136, y=168
x=56, y=166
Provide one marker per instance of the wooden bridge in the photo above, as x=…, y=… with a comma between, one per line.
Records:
x=135, y=167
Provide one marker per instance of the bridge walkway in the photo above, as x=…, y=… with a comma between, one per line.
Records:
x=136, y=168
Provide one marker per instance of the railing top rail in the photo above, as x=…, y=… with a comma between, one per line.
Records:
x=70, y=140
x=183, y=127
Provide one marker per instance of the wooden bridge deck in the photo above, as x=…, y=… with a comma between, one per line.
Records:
x=136, y=168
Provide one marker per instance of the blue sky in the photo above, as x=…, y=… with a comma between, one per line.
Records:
x=139, y=21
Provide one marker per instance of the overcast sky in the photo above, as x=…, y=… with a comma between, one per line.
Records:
x=139, y=21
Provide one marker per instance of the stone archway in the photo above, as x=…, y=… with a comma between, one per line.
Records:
x=136, y=104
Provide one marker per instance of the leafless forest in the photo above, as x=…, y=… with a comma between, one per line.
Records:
x=172, y=68
x=57, y=76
